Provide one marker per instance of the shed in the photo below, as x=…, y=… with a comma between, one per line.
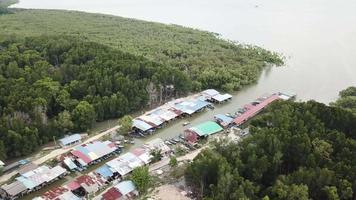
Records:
x=126, y=188
x=27, y=167
x=142, y=154
x=14, y=189
x=210, y=93
x=141, y=125
x=158, y=144
x=112, y=194
x=190, y=106
x=202, y=130
x=221, y=97
x=59, y=193
x=70, y=140
x=223, y=120
x=206, y=128
x=104, y=171
x=70, y=164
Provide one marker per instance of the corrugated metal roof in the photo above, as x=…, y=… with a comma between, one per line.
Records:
x=82, y=156
x=125, y=163
x=157, y=144
x=191, y=106
x=222, y=97
x=14, y=188
x=70, y=164
x=94, y=150
x=142, y=154
x=40, y=175
x=210, y=92
x=143, y=126
x=54, y=193
x=111, y=194
x=253, y=110
x=70, y=139
x=206, y=128
x=104, y=171
x=28, y=167
x=224, y=118
x=73, y=185
x=68, y=196
x=151, y=118
x=125, y=187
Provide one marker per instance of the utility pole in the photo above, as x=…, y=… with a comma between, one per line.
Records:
x=54, y=140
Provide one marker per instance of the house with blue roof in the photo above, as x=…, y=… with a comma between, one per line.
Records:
x=70, y=140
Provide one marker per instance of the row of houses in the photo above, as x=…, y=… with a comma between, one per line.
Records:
x=31, y=178
x=174, y=109
x=113, y=170
x=221, y=121
x=88, y=154
x=85, y=185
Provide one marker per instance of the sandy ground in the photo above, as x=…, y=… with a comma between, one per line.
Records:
x=168, y=192
x=57, y=152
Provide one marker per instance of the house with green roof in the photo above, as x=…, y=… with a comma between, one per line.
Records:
x=201, y=130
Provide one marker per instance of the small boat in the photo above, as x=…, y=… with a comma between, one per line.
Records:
x=176, y=140
x=132, y=142
x=186, y=123
x=172, y=141
x=120, y=146
x=182, y=137
x=167, y=142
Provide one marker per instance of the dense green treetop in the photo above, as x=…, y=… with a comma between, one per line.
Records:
x=210, y=61
x=4, y=4
x=296, y=151
x=53, y=85
x=347, y=99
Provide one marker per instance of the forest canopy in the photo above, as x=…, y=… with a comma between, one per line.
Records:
x=208, y=60
x=63, y=70
x=296, y=151
x=53, y=85
x=347, y=99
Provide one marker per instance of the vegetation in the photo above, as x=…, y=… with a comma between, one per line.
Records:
x=173, y=162
x=156, y=155
x=142, y=179
x=208, y=60
x=52, y=85
x=347, y=99
x=296, y=151
x=126, y=124
x=61, y=70
x=4, y=4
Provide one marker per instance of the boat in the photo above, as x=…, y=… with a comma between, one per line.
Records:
x=132, y=142
x=172, y=141
x=176, y=140
x=186, y=123
x=167, y=142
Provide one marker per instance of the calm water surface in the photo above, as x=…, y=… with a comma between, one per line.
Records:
x=317, y=37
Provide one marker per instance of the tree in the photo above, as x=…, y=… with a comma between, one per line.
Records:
x=83, y=116
x=156, y=155
x=173, y=162
x=142, y=179
x=125, y=124
x=297, y=151
x=64, y=121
